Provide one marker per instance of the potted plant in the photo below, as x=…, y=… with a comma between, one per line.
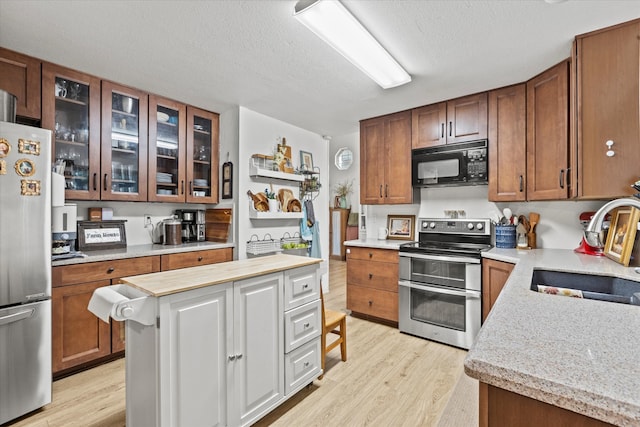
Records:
x=343, y=189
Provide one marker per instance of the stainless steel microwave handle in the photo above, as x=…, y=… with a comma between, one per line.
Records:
x=438, y=290
x=442, y=258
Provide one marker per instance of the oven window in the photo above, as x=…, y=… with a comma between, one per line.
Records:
x=438, y=272
x=438, y=309
x=430, y=172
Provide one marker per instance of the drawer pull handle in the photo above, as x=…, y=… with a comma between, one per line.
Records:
x=370, y=255
x=370, y=276
x=232, y=357
x=110, y=270
x=239, y=356
x=306, y=325
x=199, y=258
x=370, y=303
x=305, y=286
x=306, y=364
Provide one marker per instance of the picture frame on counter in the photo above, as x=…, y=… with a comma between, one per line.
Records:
x=622, y=235
x=401, y=227
x=96, y=235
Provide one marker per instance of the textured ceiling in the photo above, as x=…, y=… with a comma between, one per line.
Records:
x=220, y=54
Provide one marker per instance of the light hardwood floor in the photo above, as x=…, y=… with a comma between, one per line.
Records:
x=389, y=379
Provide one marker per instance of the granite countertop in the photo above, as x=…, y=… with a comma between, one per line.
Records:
x=376, y=243
x=174, y=281
x=140, y=251
x=578, y=354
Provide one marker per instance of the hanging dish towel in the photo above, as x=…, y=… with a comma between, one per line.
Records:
x=305, y=231
x=315, y=245
x=311, y=217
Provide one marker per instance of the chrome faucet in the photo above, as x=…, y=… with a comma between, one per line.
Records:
x=592, y=233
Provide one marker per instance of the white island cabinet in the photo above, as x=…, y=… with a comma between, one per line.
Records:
x=230, y=343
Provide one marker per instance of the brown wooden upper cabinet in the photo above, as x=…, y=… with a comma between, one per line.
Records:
x=548, y=134
x=458, y=120
x=124, y=143
x=529, y=138
x=608, y=95
x=202, y=156
x=71, y=110
x=20, y=76
x=385, y=159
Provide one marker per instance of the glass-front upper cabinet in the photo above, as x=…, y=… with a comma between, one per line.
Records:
x=202, y=156
x=71, y=110
x=124, y=143
x=167, y=149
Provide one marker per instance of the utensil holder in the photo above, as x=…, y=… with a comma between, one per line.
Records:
x=505, y=236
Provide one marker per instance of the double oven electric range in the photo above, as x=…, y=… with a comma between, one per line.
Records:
x=440, y=286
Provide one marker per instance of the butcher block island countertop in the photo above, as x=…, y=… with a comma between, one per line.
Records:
x=174, y=281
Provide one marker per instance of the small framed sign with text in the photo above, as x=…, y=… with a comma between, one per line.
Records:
x=95, y=235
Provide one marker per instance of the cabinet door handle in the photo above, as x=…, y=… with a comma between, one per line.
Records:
x=370, y=303
x=370, y=254
x=95, y=182
x=450, y=128
x=521, y=183
x=442, y=132
x=386, y=190
x=239, y=356
x=182, y=187
x=199, y=258
x=561, y=178
x=568, y=178
x=370, y=276
x=105, y=182
x=380, y=190
x=191, y=187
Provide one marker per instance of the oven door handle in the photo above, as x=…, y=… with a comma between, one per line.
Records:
x=442, y=258
x=438, y=290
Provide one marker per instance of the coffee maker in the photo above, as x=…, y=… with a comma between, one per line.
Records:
x=193, y=224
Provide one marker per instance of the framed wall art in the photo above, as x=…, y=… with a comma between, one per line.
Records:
x=622, y=235
x=401, y=227
x=227, y=180
x=306, y=160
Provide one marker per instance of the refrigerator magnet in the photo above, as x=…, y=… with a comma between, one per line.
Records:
x=25, y=167
x=30, y=187
x=5, y=148
x=3, y=167
x=29, y=147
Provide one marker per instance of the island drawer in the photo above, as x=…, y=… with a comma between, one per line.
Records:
x=195, y=258
x=103, y=270
x=302, y=324
x=301, y=366
x=301, y=286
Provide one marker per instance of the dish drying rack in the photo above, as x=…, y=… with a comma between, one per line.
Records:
x=269, y=245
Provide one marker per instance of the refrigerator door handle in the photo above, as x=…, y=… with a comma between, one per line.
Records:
x=14, y=317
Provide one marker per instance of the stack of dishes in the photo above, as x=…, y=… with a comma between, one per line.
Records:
x=200, y=182
x=165, y=192
x=164, y=177
x=162, y=117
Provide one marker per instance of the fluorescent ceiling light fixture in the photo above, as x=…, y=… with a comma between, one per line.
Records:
x=333, y=23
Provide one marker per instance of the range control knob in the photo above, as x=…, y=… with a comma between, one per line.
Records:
x=432, y=225
x=479, y=226
x=470, y=226
x=425, y=224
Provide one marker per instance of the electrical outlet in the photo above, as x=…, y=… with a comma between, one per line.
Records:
x=147, y=220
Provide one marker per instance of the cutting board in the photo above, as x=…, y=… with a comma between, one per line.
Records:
x=217, y=224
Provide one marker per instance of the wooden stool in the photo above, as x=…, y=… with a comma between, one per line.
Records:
x=335, y=322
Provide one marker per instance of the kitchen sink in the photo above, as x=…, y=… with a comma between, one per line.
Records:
x=603, y=288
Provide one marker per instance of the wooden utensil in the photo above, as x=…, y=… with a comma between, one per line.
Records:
x=525, y=222
x=260, y=202
x=534, y=219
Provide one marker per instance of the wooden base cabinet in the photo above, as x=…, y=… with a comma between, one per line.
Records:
x=225, y=354
x=499, y=407
x=79, y=338
x=494, y=276
x=372, y=283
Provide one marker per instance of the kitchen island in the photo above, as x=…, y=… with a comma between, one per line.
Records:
x=578, y=354
x=225, y=343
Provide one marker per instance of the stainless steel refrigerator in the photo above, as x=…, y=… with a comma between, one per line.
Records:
x=25, y=269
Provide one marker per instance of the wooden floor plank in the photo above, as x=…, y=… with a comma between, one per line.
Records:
x=389, y=378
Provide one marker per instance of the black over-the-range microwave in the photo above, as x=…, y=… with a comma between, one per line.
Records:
x=449, y=165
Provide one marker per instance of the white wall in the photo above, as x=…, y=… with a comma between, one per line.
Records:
x=260, y=134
